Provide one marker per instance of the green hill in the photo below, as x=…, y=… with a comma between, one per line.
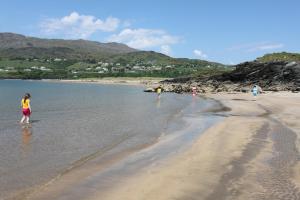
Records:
x=29, y=57
x=19, y=46
x=283, y=56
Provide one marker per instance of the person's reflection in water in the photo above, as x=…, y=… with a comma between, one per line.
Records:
x=194, y=101
x=26, y=138
x=158, y=103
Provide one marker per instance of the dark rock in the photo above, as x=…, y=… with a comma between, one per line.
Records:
x=270, y=76
x=149, y=90
x=245, y=90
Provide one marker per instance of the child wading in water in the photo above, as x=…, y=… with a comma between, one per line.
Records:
x=158, y=91
x=26, y=109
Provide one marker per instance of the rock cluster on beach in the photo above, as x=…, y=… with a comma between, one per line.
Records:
x=270, y=76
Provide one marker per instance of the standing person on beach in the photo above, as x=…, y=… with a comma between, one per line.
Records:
x=26, y=108
x=255, y=90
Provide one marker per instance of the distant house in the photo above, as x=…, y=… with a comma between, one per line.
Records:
x=105, y=69
x=131, y=71
x=157, y=68
x=57, y=59
x=136, y=67
x=101, y=70
x=117, y=69
x=104, y=64
x=45, y=69
x=27, y=70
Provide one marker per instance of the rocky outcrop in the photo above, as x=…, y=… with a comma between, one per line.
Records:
x=270, y=76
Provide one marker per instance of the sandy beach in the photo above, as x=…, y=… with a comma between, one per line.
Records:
x=149, y=100
x=252, y=154
x=144, y=81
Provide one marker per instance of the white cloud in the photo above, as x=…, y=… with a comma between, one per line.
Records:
x=126, y=23
x=231, y=62
x=267, y=46
x=144, y=38
x=166, y=49
x=262, y=46
x=199, y=53
x=78, y=26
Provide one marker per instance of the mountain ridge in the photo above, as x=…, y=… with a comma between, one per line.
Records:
x=35, y=58
x=13, y=41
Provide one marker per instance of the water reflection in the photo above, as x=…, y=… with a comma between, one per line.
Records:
x=194, y=101
x=26, y=138
x=158, y=103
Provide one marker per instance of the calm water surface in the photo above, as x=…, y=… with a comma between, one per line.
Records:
x=72, y=121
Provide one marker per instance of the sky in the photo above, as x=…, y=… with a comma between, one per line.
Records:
x=229, y=32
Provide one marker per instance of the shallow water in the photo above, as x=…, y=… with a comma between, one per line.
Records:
x=72, y=121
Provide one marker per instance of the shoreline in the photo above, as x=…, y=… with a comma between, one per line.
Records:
x=165, y=146
x=252, y=154
x=139, y=81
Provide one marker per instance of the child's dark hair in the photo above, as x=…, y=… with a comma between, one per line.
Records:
x=26, y=96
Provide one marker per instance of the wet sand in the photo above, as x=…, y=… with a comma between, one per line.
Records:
x=252, y=154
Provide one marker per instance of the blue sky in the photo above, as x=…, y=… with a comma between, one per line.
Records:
x=230, y=31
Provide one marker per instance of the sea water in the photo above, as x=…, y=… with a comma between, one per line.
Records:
x=71, y=121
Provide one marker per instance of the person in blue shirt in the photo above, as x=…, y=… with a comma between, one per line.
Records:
x=255, y=90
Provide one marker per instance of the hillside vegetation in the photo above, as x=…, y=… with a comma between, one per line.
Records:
x=35, y=58
x=283, y=56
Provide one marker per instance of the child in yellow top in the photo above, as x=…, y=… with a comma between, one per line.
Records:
x=26, y=109
x=158, y=91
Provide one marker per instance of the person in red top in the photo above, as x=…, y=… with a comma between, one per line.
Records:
x=194, y=91
x=26, y=109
